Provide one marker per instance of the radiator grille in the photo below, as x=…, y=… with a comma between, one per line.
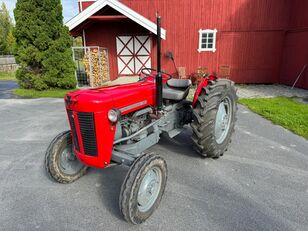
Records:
x=74, y=134
x=87, y=130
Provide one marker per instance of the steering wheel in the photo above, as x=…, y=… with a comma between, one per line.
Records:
x=148, y=73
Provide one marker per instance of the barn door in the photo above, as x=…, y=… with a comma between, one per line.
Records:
x=133, y=54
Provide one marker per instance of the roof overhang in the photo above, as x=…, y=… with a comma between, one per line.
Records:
x=121, y=8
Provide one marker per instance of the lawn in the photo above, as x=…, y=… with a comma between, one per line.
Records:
x=52, y=93
x=287, y=112
x=7, y=76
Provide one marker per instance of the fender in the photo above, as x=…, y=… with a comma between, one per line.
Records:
x=202, y=85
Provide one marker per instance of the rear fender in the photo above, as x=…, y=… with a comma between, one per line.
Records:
x=202, y=85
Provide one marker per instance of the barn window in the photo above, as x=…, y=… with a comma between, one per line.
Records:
x=207, y=40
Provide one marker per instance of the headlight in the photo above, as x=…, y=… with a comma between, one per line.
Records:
x=114, y=115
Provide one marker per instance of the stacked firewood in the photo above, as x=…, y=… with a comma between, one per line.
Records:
x=96, y=64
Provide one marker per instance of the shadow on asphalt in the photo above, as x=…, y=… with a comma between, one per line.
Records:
x=181, y=144
x=111, y=181
x=111, y=178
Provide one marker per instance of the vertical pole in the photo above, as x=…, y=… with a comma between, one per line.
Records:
x=159, y=82
x=304, y=67
x=76, y=74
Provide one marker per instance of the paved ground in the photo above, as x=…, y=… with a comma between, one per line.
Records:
x=260, y=184
x=272, y=90
x=6, y=88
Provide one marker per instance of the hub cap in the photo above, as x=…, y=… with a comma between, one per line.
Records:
x=69, y=163
x=149, y=189
x=223, y=120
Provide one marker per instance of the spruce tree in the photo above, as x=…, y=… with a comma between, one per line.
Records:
x=43, y=45
x=6, y=27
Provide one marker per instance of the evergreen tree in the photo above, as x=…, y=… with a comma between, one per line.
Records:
x=43, y=45
x=6, y=28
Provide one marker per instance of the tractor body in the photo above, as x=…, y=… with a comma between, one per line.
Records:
x=97, y=140
x=117, y=124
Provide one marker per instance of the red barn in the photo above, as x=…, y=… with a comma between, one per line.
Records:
x=264, y=41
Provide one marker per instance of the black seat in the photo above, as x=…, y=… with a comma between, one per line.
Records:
x=179, y=83
x=176, y=89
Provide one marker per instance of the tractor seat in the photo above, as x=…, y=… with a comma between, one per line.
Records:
x=179, y=83
x=176, y=89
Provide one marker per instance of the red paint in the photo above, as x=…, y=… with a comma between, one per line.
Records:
x=295, y=50
x=253, y=38
x=108, y=18
x=202, y=85
x=85, y=5
x=108, y=40
x=100, y=101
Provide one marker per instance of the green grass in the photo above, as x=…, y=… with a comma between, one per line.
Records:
x=283, y=111
x=52, y=93
x=7, y=76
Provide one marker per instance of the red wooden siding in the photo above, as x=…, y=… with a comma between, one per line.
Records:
x=104, y=34
x=249, y=38
x=262, y=41
x=84, y=5
x=296, y=46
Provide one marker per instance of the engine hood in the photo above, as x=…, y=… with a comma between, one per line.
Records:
x=126, y=97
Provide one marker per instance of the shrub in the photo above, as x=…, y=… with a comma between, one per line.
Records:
x=43, y=46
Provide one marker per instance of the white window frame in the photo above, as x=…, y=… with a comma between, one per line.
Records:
x=201, y=32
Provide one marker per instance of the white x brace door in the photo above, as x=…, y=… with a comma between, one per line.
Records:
x=133, y=54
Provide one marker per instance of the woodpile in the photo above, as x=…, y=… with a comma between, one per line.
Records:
x=182, y=72
x=224, y=71
x=96, y=65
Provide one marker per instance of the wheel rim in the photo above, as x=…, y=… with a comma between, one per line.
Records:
x=69, y=164
x=149, y=189
x=223, y=120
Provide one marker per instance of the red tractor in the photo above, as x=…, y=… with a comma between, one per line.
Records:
x=117, y=124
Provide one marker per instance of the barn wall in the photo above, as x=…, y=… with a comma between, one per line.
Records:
x=295, y=54
x=104, y=35
x=250, y=34
x=262, y=41
x=85, y=5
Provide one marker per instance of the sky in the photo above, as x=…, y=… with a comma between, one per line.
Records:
x=70, y=8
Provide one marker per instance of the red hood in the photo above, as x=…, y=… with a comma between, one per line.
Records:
x=105, y=98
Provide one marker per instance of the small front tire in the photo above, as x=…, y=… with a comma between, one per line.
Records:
x=61, y=163
x=143, y=188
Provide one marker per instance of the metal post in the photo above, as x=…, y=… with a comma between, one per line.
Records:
x=302, y=71
x=76, y=76
x=159, y=82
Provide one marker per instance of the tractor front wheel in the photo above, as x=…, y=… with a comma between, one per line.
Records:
x=61, y=163
x=143, y=188
x=214, y=118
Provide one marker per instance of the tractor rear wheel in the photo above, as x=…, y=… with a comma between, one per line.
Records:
x=143, y=188
x=214, y=118
x=61, y=163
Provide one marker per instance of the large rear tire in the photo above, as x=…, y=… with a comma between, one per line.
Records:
x=61, y=163
x=214, y=118
x=143, y=188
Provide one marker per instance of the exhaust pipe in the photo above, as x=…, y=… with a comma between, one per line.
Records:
x=159, y=81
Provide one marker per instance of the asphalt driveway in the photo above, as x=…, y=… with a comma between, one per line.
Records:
x=260, y=184
x=6, y=88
